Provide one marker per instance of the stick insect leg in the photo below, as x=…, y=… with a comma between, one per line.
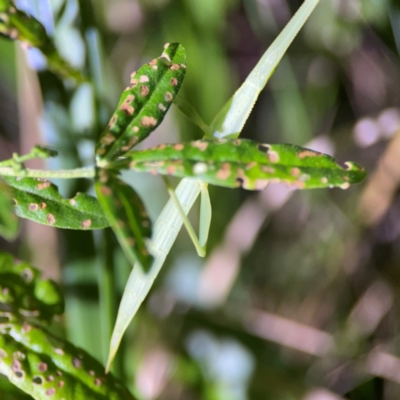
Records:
x=204, y=231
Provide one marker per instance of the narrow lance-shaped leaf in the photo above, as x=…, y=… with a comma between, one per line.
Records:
x=8, y=220
x=144, y=103
x=245, y=163
x=127, y=216
x=40, y=201
x=47, y=367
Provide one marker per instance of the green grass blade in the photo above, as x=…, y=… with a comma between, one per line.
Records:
x=128, y=217
x=205, y=215
x=232, y=119
x=144, y=103
x=40, y=201
x=245, y=163
x=140, y=283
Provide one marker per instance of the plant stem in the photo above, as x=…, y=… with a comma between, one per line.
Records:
x=87, y=172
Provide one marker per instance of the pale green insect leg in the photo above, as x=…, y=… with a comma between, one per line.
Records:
x=205, y=214
x=199, y=248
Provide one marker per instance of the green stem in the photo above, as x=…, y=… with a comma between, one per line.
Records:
x=87, y=172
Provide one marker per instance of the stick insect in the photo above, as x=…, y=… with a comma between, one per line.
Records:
x=227, y=124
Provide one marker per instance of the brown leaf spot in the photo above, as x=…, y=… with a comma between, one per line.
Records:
x=50, y=219
x=144, y=90
x=174, y=67
x=174, y=82
x=182, y=66
x=161, y=107
x=171, y=169
x=101, y=151
x=154, y=67
x=97, y=381
x=120, y=224
x=132, y=142
x=91, y=372
x=107, y=139
x=86, y=223
x=42, y=367
x=200, y=145
x=43, y=206
x=153, y=62
x=224, y=172
x=168, y=97
x=144, y=78
x=59, y=351
x=273, y=156
x=324, y=180
x=50, y=378
x=237, y=142
x=26, y=328
x=148, y=122
x=268, y=170
x=307, y=153
x=135, y=129
x=61, y=384
x=295, y=172
x=113, y=121
x=133, y=74
x=33, y=207
x=76, y=362
x=251, y=165
x=105, y=190
x=72, y=202
x=134, y=83
x=50, y=392
x=16, y=365
x=179, y=146
x=43, y=185
x=3, y=353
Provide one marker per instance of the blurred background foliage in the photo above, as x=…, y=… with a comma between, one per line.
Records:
x=299, y=296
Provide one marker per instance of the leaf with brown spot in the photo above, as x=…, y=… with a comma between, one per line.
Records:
x=8, y=221
x=41, y=202
x=245, y=163
x=128, y=218
x=143, y=104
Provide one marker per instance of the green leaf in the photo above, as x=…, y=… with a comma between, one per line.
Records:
x=144, y=103
x=8, y=221
x=47, y=367
x=245, y=163
x=23, y=290
x=127, y=216
x=40, y=201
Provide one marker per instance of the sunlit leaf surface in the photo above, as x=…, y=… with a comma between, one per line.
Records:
x=247, y=164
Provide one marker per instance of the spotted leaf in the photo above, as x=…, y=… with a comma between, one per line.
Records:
x=8, y=220
x=45, y=366
x=40, y=201
x=23, y=290
x=244, y=163
x=127, y=216
x=144, y=103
